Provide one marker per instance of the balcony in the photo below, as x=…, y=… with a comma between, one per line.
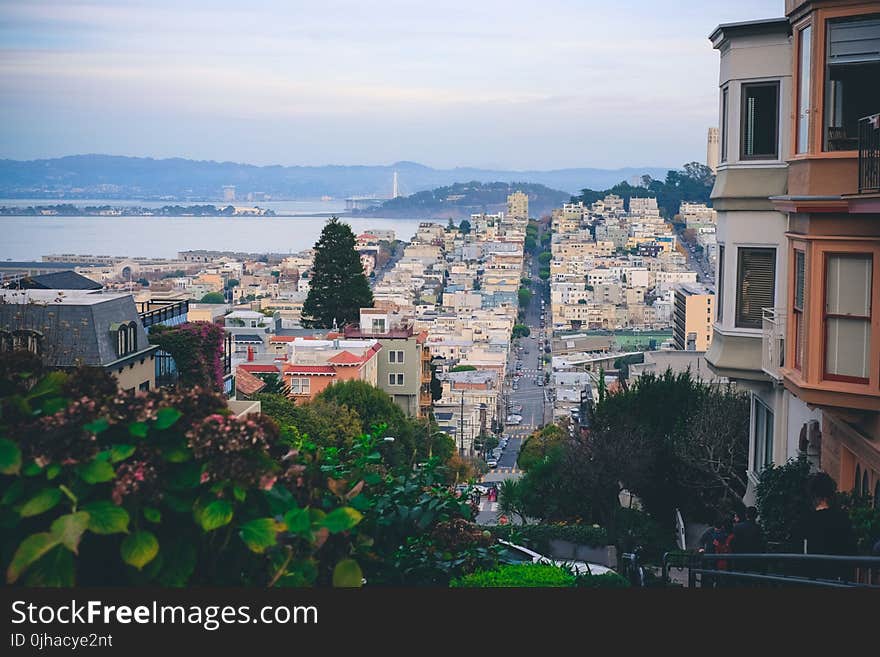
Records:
x=773, y=342
x=869, y=154
x=167, y=313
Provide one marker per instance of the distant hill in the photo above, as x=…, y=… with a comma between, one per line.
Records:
x=116, y=177
x=463, y=199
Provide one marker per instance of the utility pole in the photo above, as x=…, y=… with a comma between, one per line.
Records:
x=461, y=426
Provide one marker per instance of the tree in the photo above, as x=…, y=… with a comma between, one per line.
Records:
x=524, y=296
x=544, y=257
x=339, y=288
x=213, y=297
x=521, y=331
x=510, y=499
x=231, y=283
x=538, y=446
x=463, y=368
x=464, y=227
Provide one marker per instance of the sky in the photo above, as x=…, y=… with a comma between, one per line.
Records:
x=543, y=84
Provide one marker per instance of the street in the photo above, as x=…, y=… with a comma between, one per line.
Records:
x=529, y=400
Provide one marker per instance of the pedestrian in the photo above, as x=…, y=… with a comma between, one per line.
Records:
x=826, y=530
x=748, y=537
x=716, y=539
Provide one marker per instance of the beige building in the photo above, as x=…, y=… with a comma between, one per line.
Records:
x=518, y=206
x=693, y=317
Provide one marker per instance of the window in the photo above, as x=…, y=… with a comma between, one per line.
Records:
x=121, y=341
x=395, y=356
x=395, y=379
x=763, y=436
x=858, y=479
x=719, y=307
x=144, y=387
x=852, y=68
x=760, y=121
x=848, y=317
x=724, y=124
x=300, y=386
x=21, y=340
x=805, y=42
x=798, y=307
x=378, y=325
x=756, y=282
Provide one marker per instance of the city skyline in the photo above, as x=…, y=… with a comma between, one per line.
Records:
x=482, y=84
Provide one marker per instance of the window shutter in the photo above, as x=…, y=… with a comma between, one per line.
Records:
x=755, y=286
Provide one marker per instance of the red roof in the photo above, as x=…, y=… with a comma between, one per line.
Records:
x=309, y=369
x=247, y=383
x=263, y=369
x=282, y=338
x=345, y=358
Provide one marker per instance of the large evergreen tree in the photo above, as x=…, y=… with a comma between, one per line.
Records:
x=339, y=288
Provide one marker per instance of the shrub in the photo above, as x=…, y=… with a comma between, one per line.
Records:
x=783, y=498
x=538, y=537
x=604, y=581
x=527, y=575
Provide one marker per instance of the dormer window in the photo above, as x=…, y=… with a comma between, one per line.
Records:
x=126, y=338
x=21, y=340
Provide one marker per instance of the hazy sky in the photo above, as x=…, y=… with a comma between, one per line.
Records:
x=500, y=83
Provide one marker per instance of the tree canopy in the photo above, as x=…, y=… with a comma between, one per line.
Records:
x=213, y=297
x=338, y=287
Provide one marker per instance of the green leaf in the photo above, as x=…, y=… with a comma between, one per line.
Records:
x=139, y=429
x=54, y=569
x=297, y=521
x=10, y=457
x=139, y=549
x=217, y=514
x=53, y=404
x=361, y=502
x=121, y=452
x=259, y=534
x=13, y=493
x=152, y=515
x=31, y=469
x=187, y=475
x=341, y=519
x=41, y=502
x=279, y=500
x=98, y=426
x=167, y=417
x=180, y=562
x=96, y=472
x=347, y=574
x=50, y=384
x=239, y=493
x=69, y=529
x=106, y=518
x=52, y=471
x=30, y=549
x=177, y=454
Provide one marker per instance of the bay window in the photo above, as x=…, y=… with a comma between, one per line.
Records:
x=848, y=316
x=760, y=121
x=755, y=285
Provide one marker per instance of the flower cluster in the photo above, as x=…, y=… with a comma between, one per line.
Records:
x=234, y=449
x=134, y=477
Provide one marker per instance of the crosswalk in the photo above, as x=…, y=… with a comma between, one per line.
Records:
x=491, y=507
x=507, y=470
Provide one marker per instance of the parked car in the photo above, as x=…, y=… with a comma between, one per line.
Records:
x=492, y=463
x=513, y=554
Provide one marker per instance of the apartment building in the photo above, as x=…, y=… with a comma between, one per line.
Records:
x=518, y=206
x=693, y=317
x=798, y=200
x=69, y=328
x=313, y=365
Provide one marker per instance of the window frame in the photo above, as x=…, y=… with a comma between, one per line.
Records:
x=798, y=316
x=303, y=385
x=740, y=249
x=767, y=413
x=801, y=90
x=776, y=120
x=719, y=301
x=844, y=378
x=725, y=116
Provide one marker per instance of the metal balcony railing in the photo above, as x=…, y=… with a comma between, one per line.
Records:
x=869, y=154
x=773, y=342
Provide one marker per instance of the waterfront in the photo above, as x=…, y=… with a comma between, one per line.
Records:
x=28, y=238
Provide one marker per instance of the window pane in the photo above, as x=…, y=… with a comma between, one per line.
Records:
x=848, y=285
x=724, y=125
x=803, y=141
x=759, y=121
x=852, y=68
x=719, y=305
x=848, y=347
x=799, y=278
x=755, y=285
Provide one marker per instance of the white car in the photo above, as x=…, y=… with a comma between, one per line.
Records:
x=492, y=463
x=519, y=554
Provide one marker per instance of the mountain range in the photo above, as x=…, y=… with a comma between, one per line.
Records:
x=119, y=177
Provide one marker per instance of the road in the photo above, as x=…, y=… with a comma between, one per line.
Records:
x=536, y=409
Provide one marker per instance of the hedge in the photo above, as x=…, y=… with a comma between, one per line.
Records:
x=538, y=537
x=517, y=575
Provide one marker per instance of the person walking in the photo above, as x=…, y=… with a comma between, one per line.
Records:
x=826, y=530
x=748, y=537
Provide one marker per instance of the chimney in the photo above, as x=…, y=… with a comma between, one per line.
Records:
x=250, y=354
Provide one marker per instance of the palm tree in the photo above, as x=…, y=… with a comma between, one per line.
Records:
x=510, y=499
